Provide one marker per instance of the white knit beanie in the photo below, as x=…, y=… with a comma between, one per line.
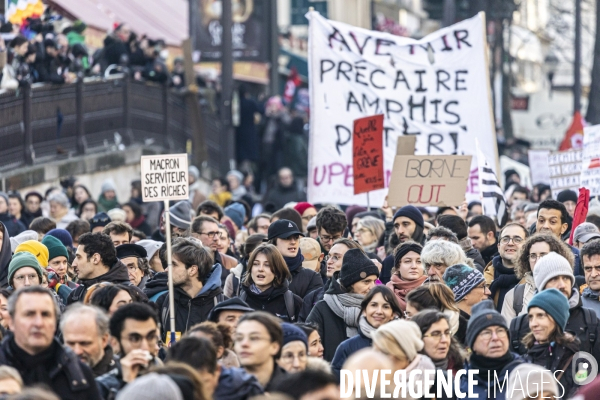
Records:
x=151, y=386
x=406, y=333
x=549, y=267
x=527, y=380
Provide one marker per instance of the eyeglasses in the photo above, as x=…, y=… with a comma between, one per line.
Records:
x=515, y=239
x=136, y=338
x=589, y=269
x=327, y=238
x=132, y=268
x=486, y=335
x=333, y=258
x=212, y=235
x=31, y=277
x=437, y=335
x=483, y=286
x=534, y=257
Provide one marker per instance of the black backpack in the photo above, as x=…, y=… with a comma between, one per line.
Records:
x=288, y=297
x=519, y=294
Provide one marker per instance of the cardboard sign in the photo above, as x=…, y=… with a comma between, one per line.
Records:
x=539, y=168
x=590, y=160
x=165, y=177
x=367, y=149
x=565, y=171
x=429, y=180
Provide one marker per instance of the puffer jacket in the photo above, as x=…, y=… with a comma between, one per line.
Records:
x=191, y=311
x=554, y=357
x=508, y=310
x=116, y=274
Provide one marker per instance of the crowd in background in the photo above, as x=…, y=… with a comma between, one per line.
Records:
x=265, y=302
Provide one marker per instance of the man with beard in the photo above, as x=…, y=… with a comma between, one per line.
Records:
x=555, y=271
x=500, y=273
x=408, y=225
x=482, y=232
x=85, y=331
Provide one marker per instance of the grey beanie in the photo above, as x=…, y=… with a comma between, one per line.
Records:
x=151, y=386
x=549, y=267
x=107, y=186
x=237, y=174
x=194, y=171
x=181, y=214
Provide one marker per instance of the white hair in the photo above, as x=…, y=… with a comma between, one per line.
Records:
x=443, y=252
x=59, y=198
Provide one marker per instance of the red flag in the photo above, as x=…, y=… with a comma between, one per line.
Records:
x=581, y=210
x=574, y=137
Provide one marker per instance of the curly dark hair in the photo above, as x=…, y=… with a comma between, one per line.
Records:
x=522, y=268
x=332, y=220
x=99, y=243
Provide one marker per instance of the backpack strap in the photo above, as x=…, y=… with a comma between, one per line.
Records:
x=288, y=297
x=243, y=296
x=219, y=298
x=591, y=320
x=165, y=309
x=515, y=328
x=235, y=282
x=518, y=298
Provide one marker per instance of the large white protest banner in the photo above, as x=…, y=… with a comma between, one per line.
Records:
x=565, y=170
x=436, y=88
x=590, y=160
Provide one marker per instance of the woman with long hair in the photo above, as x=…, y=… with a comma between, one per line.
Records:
x=337, y=315
x=547, y=343
x=377, y=308
x=110, y=297
x=408, y=272
x=135, y=217
x=533, y=249
x=87, y=210
x=232, y=282
x=440, y=297
x=265, y=287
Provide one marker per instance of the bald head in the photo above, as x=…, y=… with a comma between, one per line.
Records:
x=370, y=360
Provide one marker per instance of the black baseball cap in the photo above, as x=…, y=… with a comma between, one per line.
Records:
x=131, y=250
x=283, y=228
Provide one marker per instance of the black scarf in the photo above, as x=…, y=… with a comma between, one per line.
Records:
x=34, y=369
x=541, y=352
x=294, y=263
x=487, y=366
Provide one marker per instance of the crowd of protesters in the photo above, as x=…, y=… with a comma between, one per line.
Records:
x=38, y=53
x=282, y=302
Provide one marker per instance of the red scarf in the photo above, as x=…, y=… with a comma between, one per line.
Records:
x=137, y=222
x=402, y=287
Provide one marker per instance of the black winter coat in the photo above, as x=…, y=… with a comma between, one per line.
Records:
x=13, y=225
x=191, y=311
x=310, y=300
x=556, y=357
x=5, y=257
x=332, y=328
x=386, y=269
x=272, y=301
x=504, y=280
x=116, y=274
x=304, y=281
x=57, y=367
x=475, y=255
x=489, y=253
x=581, y=324
x=236, y=384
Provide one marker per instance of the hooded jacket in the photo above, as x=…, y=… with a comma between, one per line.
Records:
x=191, y=311
x=582, y=323
x=116, y=274
x=589, y=299
x=272, y=301
x=332, y=328
x=236, y=384
x=57, y=367
x=5, y=257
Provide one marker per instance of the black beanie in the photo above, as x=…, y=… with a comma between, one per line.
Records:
x=483, y=315
x=356, y=266
x=411, y=212
x=567, y=195
x=403, y=249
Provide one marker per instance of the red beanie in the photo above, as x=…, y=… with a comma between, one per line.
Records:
x=302, y=206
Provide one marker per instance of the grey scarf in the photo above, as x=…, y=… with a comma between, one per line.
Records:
x=347, y=307
x=365, y=327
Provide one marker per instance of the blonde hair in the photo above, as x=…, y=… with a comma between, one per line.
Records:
x=7, y=372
